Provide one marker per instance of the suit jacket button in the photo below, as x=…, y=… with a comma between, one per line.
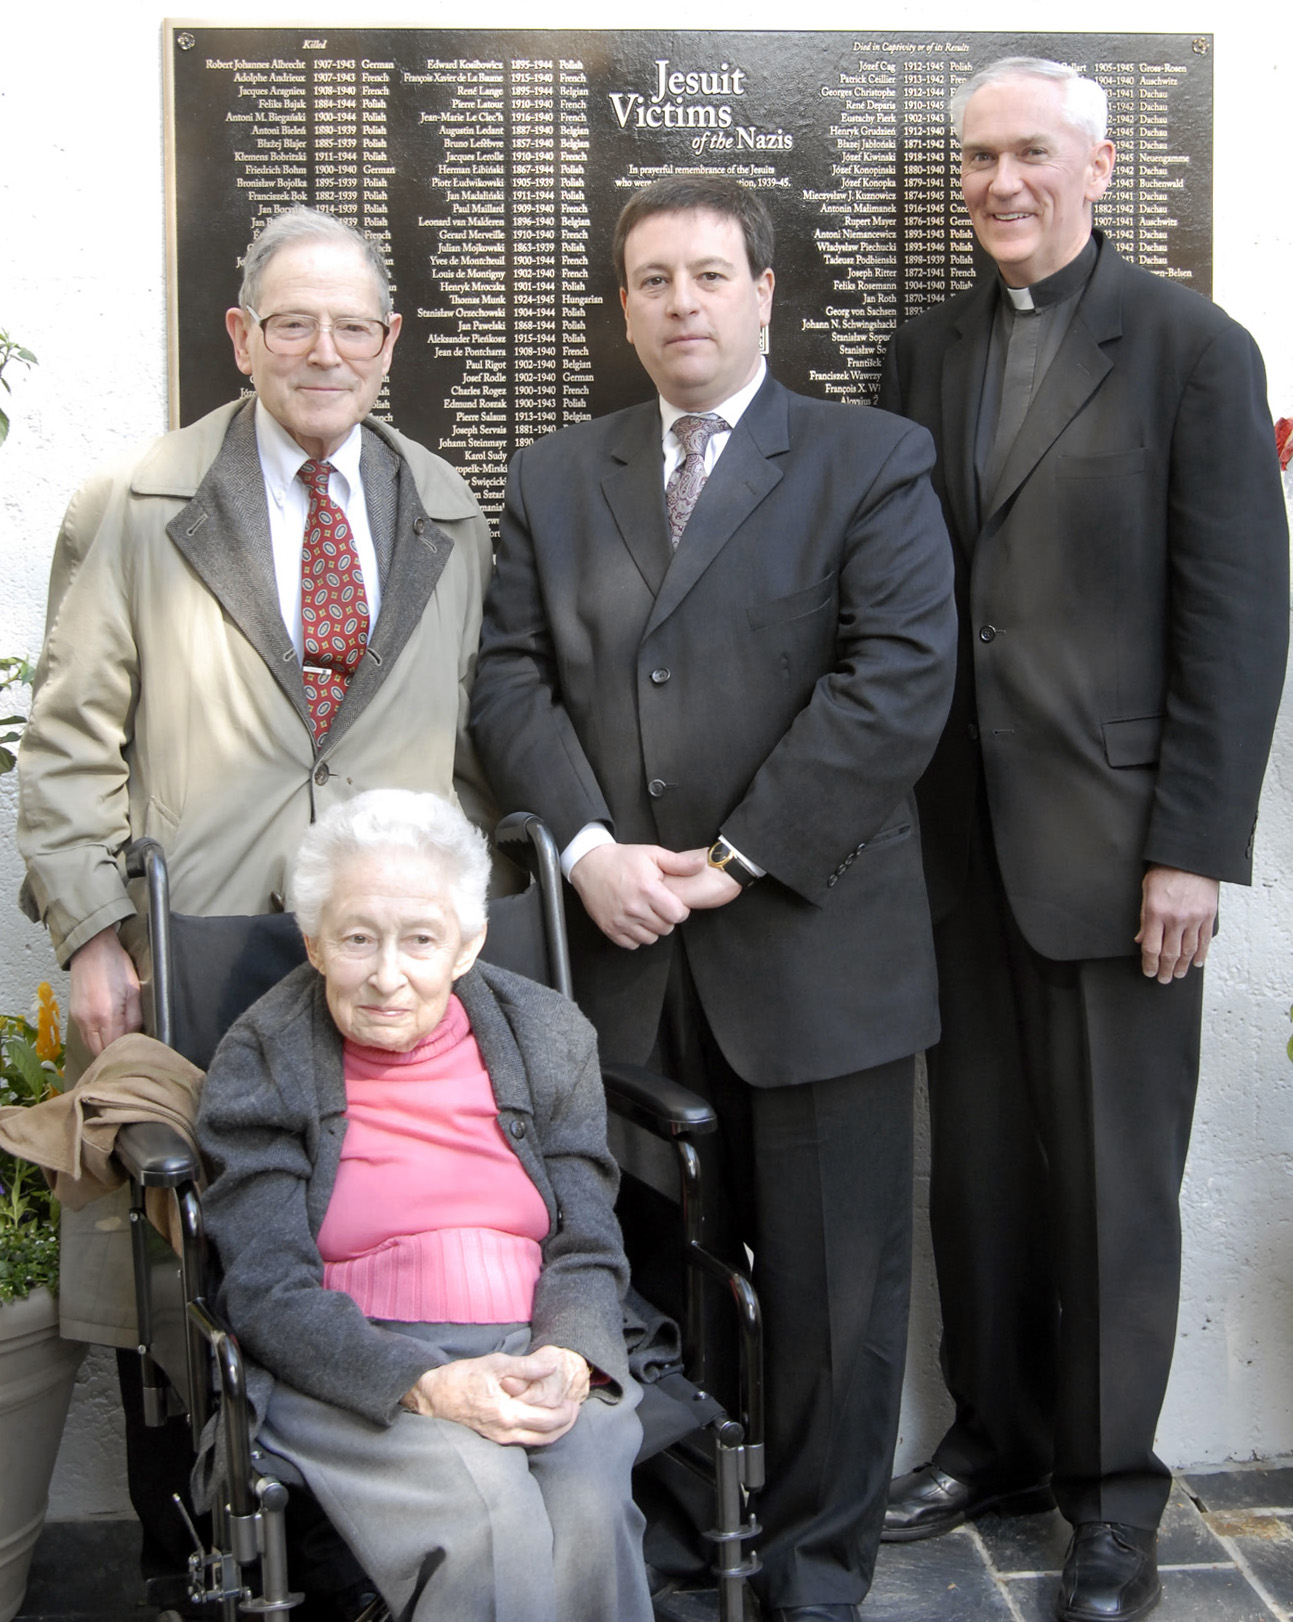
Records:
x=972, y=732
x=659, y=677
x=517, y=1128
x=322, y=775
x=987, y=633
x=656, y=787
x=419, y=525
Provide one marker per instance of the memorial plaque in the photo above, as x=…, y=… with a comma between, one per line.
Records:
x=492, y=165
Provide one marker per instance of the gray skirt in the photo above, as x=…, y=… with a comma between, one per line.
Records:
x=455, y=1528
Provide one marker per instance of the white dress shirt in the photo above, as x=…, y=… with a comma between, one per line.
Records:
x=288, y=500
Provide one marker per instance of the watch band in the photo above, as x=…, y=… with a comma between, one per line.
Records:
x=722, y=856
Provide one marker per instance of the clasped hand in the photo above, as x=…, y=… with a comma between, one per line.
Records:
x=520, y=1401
x=637, y=893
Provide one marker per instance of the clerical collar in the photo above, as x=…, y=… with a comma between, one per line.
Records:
x=1066, y=281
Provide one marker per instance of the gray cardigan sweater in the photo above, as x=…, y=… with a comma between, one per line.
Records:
x=271, y=1126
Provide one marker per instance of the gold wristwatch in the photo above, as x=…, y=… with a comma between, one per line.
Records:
x=726, y=860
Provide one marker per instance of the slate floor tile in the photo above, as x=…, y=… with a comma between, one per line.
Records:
x=937, y=1580
x=1185, y=1537
x=1025, y=1542
x=1266, y=1544
x=1242, y=1489
x=1210, y=1595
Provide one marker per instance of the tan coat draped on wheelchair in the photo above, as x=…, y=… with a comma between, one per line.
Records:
x=200, y=975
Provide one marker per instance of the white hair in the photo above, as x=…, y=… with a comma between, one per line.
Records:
x=302, y=224
x=389, y=820
x=1085, y=104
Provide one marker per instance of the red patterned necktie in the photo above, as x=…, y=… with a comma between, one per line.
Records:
x=334, y=610
x=688, y=479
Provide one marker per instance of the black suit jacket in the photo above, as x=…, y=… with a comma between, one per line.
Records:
x=782, y=678
x=1123, y=605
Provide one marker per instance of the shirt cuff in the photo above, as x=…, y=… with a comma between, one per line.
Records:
x=588, y=838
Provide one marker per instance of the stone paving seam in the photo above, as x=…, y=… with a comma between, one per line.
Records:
x=1251, y=1577
x=999, y=1578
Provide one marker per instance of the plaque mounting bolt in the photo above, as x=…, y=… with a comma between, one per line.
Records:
x=185, y=41
x=1201, y=46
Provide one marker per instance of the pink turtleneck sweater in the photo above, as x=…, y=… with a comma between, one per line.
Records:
x=432, y=1219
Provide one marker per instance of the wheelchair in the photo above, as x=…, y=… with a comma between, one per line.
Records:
x=198, y=975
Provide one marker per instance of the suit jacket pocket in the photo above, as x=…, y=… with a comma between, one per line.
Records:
x=1133, y=742
x=811, y=600
x=1111, y=465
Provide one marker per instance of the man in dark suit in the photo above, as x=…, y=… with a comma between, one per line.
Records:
x=715, y=659
x=1107, y=471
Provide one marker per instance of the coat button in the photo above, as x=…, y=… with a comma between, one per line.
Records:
x=659, y=677
x=419, y=525
x=972, y=732
x=322, y=775
x=656, y=787
x=517, y=1129
x=987, y=633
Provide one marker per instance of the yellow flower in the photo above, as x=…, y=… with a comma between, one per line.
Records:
x=48, y=1038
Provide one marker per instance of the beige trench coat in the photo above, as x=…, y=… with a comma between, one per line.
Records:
x=169, y=700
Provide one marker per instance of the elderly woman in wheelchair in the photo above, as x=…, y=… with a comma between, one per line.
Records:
x=411, y=1198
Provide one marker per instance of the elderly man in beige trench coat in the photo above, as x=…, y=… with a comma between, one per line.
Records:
x=170, y=698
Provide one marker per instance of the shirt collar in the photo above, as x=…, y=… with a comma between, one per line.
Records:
x=1066, y=281
x=731, y=410
x=281, y=457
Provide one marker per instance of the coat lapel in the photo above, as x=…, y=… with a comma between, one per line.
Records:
x=963, y=368
x=416, y=550
x=1079, y=368
x=742, y=478
x=634, y=492
x=224, y=534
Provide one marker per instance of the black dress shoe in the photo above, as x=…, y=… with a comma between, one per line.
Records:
x=1110, y=1574
x=814, y=1613
x=929, y=1502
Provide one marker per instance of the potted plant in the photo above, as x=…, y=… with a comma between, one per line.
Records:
x=37, y=1368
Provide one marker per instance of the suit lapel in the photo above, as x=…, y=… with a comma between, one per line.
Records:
x=634, y=492
x=742, y=477
x=740, y=480
x=224, y=534
x=963, y=368
x=1079, y=368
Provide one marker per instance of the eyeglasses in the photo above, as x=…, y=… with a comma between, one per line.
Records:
x=353, y=337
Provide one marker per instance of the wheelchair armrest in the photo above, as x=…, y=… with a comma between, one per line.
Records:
x=155, y=1155
x=656, y=1103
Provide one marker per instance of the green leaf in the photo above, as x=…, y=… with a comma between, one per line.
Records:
x=4, y=424
x=22, y=1057
x=26, y=354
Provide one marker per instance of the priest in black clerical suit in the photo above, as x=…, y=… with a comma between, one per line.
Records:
x=1108, y=476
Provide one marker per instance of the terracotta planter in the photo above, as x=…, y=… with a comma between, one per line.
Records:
x=37, y=1372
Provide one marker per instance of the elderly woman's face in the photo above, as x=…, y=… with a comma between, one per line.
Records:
x=389, y=949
